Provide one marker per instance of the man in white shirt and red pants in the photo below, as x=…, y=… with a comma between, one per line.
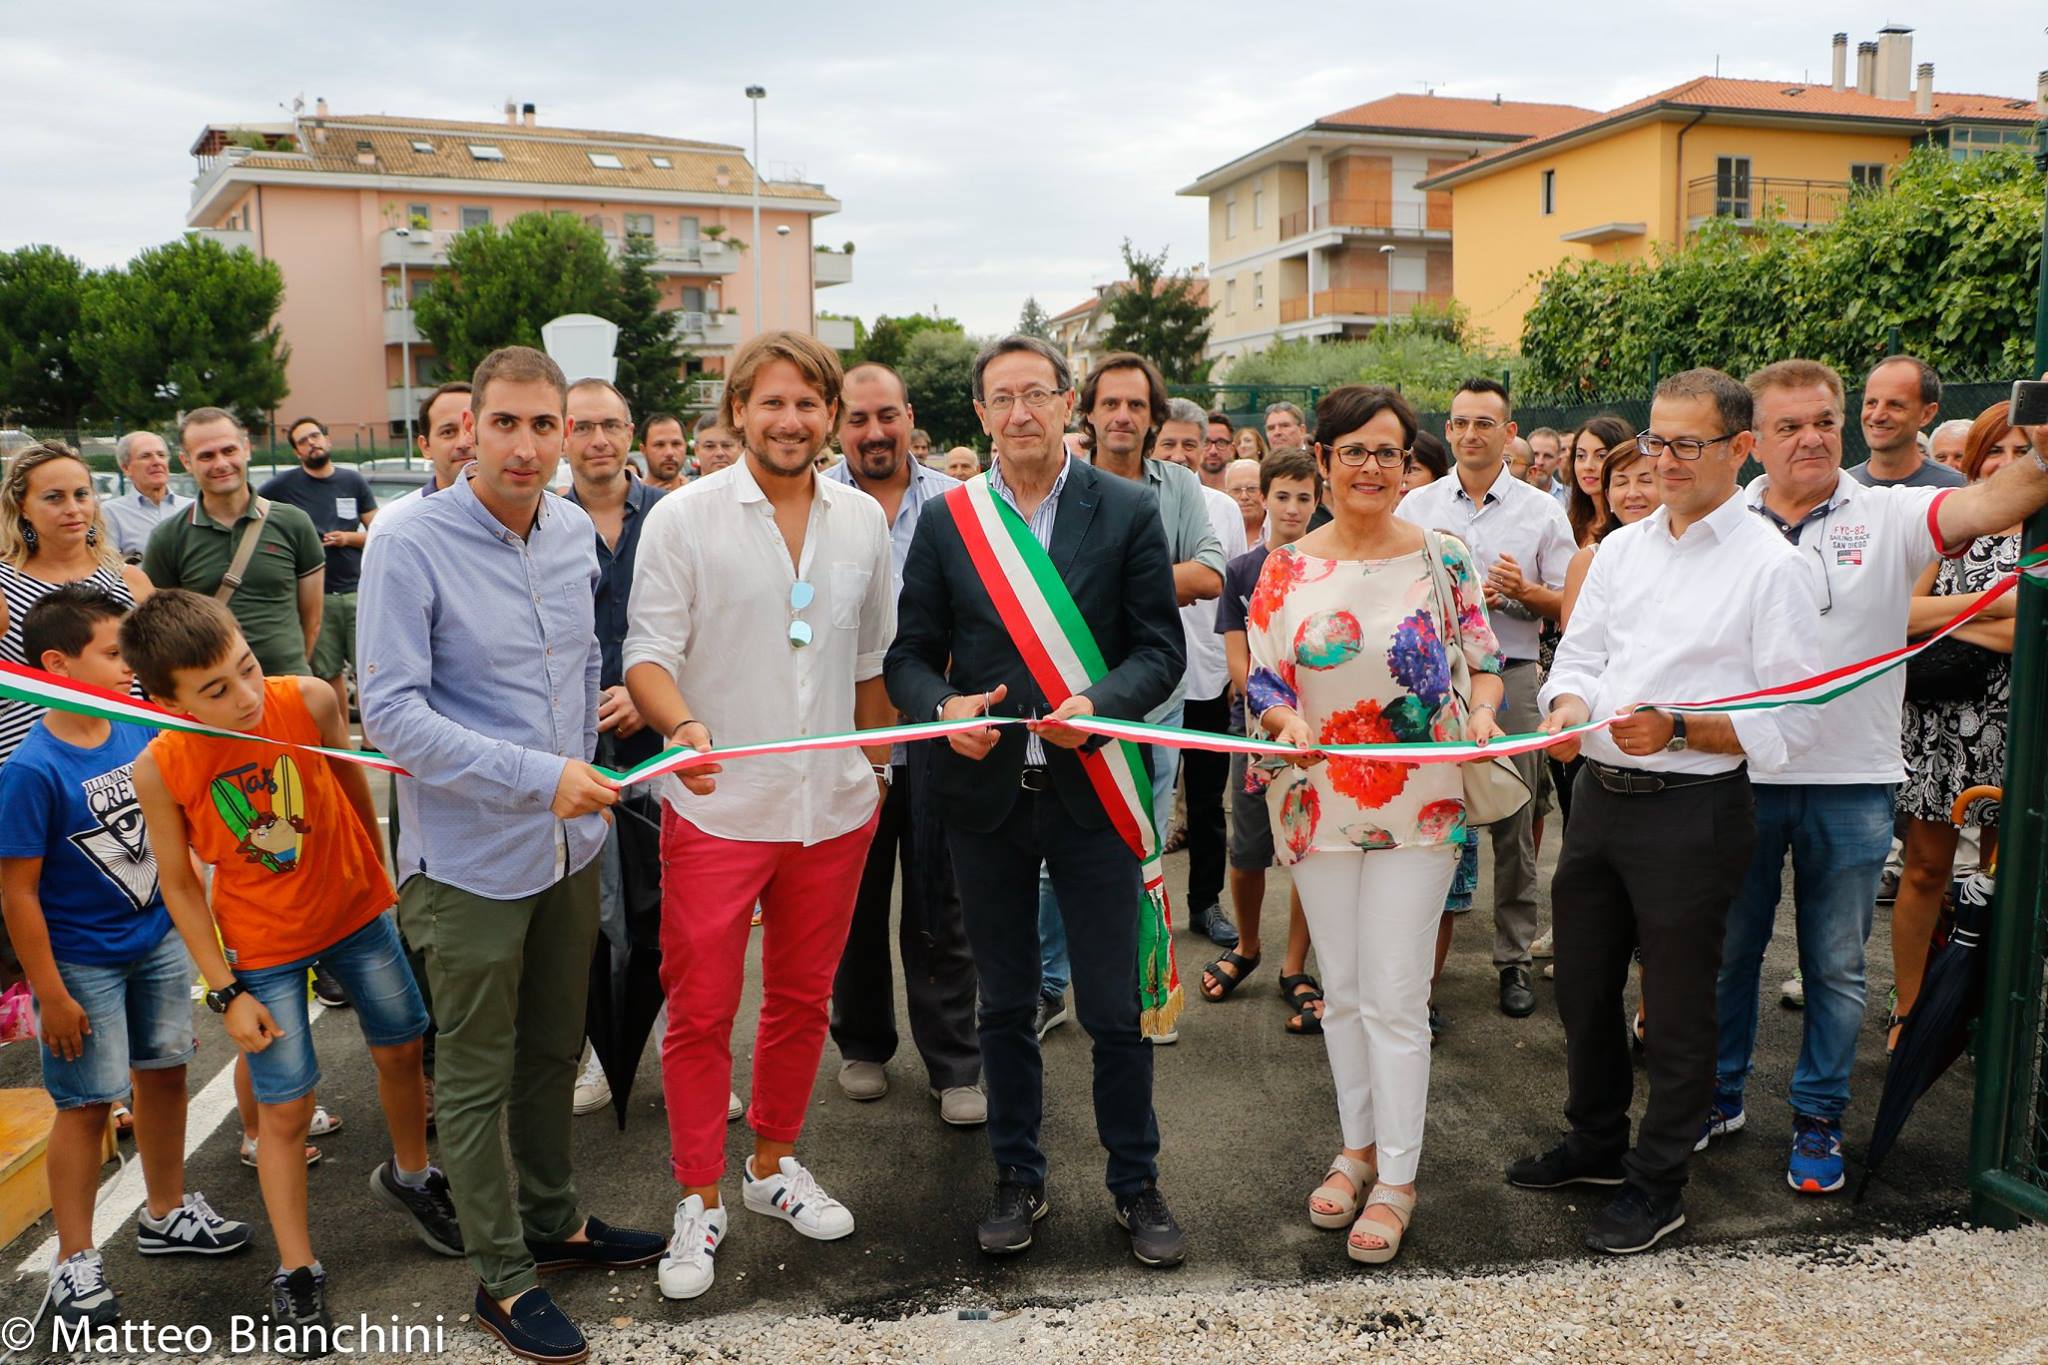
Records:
x=761, y=610
x=1698, y=601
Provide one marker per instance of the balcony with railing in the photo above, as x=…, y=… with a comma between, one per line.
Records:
x=401, y=326
x=1389, y=216
x=831, y=267
x=1749, y=200
x=702, y=256
x=694, y=327
x=414, y=246
x=1353, y=305
x=704, y=393
x=234, y=239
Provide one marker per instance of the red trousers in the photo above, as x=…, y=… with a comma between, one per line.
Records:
x=709, y=887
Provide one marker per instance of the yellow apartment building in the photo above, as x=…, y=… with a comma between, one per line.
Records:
x=1327, y=232
x=358, y=212
x=1614, y=186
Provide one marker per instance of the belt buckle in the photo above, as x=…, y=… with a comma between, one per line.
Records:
x=1032, y=779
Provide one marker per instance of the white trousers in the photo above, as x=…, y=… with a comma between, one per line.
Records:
x=1373, y=919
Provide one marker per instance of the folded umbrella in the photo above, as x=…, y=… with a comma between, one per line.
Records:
x=625, y=978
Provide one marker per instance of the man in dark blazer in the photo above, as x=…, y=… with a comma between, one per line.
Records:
x=1013, y=798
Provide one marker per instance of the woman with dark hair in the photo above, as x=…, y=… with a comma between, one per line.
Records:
x=1954, y=735
x=1588, y=448
x=1349, y=631
x=1429, y=460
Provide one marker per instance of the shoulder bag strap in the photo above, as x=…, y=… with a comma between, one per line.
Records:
x=245, y=548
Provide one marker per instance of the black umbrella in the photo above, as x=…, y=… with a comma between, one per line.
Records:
x=625, y=978
x=1938, y=1029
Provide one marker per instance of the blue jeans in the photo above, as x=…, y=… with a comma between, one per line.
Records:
x=140, y=1014
x=1163, y=765
x=1838, y=837
x=371, y=964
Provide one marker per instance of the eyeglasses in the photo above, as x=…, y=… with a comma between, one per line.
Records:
x=1458, y=426
x=1220, y=441
x=612, y=427
x=801, y=595
x=1035, y=399
x=1386, y=457
x=1685, y=448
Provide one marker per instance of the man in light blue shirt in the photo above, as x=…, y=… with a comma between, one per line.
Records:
x=480, y=667
x=145, y=462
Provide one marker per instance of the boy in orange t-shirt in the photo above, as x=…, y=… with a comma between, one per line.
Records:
x=298, y=880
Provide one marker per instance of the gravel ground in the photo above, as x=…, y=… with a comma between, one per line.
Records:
x=1952, y=1295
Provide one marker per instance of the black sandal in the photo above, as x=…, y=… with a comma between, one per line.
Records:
x=1304, y=993
x=1244, y=967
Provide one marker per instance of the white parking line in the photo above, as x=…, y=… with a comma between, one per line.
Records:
x=122, y=1195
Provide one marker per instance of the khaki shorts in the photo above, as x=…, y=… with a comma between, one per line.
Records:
x=336, y=648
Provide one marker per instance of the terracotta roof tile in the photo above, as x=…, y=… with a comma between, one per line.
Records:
x=1447, y=114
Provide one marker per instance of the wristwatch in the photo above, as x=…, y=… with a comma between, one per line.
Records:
x=883, y=771
x=1677, y=742
x=218, y=1001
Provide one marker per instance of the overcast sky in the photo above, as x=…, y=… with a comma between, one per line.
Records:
x=983, y=153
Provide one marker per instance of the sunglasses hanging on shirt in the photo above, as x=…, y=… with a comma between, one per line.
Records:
x=801, y=595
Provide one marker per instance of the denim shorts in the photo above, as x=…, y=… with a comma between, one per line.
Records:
x=371, y=964
x=140, y=1013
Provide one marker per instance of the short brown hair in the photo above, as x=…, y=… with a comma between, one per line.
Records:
x=1796, y=374
x=200, y=416
x=1155, y=391
x=175, y=629
x=593, y=382
x=816, y=362
x=1289, y=462
x=1344, y=410
x=1733, y=401
x=516, y=365
x=426, y=421
x=1929, y=379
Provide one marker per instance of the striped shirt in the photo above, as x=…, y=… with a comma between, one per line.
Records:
x=1040, y=523
x=21, y=592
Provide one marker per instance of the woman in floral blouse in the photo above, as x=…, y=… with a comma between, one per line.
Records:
x=1348, y=645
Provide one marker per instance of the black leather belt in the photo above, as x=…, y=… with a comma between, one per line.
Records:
x=1641, y=782
x=1033, y=779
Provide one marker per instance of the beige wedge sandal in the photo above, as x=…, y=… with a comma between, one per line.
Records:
x=1361, y=1174
x=1403, y=1206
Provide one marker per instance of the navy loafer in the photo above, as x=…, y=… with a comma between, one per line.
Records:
x=534, y=1330
x=609, y=1248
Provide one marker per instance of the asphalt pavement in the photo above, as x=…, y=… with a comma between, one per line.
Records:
x=1248, y=1120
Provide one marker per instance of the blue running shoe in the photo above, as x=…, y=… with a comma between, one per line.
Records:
x=1724, y=1118
x=1816, y=1166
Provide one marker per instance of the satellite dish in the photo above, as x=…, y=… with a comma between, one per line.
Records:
x=583, y=345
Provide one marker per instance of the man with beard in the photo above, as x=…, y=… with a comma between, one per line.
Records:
x=718, y=446
x=762, y=608
x=342, y=507
x=1219, y=448
x=938, y=969
x=665, y=447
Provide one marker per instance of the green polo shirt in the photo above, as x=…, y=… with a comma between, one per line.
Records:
x=193, y=551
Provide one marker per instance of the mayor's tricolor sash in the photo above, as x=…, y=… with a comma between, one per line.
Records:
x=1060, y=650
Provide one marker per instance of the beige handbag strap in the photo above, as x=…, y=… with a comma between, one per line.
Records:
x=245, y=548
x=1447, y=617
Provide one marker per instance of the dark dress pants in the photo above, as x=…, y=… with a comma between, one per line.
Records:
x=1095, y=877
x=1206, y=774
x=938, y=966
x=1657, y=871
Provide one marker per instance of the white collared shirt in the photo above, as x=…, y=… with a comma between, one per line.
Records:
x=1511, y=519
x=1864, y=547
x=1724, y=609
x=1208, y=667
x=710, y=604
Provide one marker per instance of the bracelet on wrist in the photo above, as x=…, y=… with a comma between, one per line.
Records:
x=683, y=724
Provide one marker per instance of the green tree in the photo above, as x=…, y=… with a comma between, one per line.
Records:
x=185, y=324
x=1425, y=356
x=889, y=338
x=937, y=366
x=1158, y=316
x=1947, y=255
x=650, y=354
x=42, y=299
x=1033, y=321
x=502, y=287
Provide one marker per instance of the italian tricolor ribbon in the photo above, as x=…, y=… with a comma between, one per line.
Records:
x=1060, y=650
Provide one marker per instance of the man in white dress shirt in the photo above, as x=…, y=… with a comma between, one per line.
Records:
x=762, y=608
x=1699, y=600
x=146, y=463
x=1522, y=541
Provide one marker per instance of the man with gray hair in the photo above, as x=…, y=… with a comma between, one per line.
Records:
x=1946, y=445
x=1285, y=426
x=145, y=461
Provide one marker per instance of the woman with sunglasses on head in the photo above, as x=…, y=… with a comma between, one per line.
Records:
x=1349, y=636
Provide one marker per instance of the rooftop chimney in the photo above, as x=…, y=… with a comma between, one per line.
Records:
x=1894, y=62
x=1866, y=68
x=511, y=113
x=526, y=114
x=1923, y=90
x=1841, y=61
x=320, y=107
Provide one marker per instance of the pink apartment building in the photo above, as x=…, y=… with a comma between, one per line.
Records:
x=358, y=211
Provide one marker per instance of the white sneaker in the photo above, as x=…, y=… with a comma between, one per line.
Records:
x=1792, y=995
x=793, y=1196
x=734, y=1105
x=686, y=1271
x=593, y=1091
x=1544, y=946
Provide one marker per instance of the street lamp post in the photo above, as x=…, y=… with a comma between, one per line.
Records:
x=405, y=336
x=1387, y=260
x=755, y=94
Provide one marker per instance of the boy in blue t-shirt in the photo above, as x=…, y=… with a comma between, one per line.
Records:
x=112, y=983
